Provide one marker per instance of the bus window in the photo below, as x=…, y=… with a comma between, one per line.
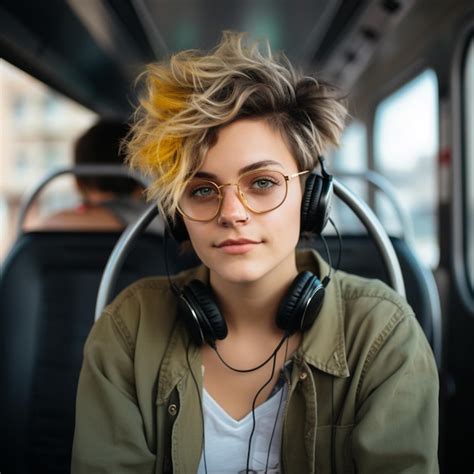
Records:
x=352, y=154
x=39, y=128
x=350, y=157
x=406, y=142
x=468, y=93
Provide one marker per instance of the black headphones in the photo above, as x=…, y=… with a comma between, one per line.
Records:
x=303, y=300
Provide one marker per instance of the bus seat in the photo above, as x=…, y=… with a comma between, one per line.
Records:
x=47, y=299
x=48, y=293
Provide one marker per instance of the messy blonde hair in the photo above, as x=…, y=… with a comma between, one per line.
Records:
x=191, y=95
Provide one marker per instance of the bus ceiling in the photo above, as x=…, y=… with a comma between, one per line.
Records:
x=93, y=51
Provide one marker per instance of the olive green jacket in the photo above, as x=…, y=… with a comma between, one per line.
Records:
x=363, y=394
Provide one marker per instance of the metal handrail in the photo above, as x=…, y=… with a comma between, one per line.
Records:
x=381, y=183
x=376, y=231
x=118, y=255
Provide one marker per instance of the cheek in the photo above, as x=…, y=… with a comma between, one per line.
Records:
x=293, y=210
x=201, y=235
x=285, y=222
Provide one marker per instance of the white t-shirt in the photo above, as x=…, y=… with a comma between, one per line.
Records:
x=227, y=440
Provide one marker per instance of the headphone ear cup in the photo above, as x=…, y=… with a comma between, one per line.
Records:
x=316, y=203
x=202, y=315
x=177, y=229
x=301, y=304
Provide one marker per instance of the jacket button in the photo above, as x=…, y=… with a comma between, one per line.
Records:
x=303, y=376
x=172, y=409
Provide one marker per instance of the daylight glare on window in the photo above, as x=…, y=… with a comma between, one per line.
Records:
x=350, y=157
x=39, y=127
x=468, y=93
x=406, y=140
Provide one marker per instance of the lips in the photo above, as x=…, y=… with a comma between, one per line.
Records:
x=232, y=242
x=237, y=246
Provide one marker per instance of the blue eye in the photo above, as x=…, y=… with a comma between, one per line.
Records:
x=263, y=183
x=203, y=192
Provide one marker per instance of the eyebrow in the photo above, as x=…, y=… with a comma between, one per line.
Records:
x=253, y=166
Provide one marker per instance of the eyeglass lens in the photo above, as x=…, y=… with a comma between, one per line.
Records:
x=261, y=191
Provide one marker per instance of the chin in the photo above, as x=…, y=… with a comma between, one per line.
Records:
x=241, y=279
x=238, y=273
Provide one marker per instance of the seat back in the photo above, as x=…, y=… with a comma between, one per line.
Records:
x=47, y=298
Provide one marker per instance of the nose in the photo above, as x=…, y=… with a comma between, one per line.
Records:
x=233, y=210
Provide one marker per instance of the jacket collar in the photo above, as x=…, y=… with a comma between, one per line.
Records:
x=322, y=346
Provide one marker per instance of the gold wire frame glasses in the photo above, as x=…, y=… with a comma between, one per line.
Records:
x=260, y=191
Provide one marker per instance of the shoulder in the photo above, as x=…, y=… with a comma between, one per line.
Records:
x=376, y=318
x=354, y=299
x=98, y=218
x=151, y=291
x=358, y=315
x=134, y=299
x=145, y=310
x=370, y=298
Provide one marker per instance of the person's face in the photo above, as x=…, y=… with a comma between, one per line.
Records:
x=270, y=238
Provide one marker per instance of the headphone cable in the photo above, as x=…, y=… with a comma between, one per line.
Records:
x=278, y=411
x=274, y=355
x=339, y=252
x=328, y=277
x=265, y=362
x=200, y=405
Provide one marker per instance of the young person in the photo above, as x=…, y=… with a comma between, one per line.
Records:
x=262, y=359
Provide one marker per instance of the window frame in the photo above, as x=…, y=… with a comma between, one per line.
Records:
x=459, y=168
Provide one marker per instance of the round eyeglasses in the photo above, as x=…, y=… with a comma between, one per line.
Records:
x=259, y=191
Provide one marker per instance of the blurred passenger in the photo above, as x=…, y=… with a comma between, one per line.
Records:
x=107, y=203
